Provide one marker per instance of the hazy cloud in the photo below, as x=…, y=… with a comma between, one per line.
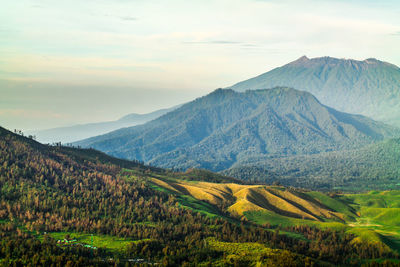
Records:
x=225, y=42
x=193, y=46
x=128, y=18
x=124, y=18
x=214, y=42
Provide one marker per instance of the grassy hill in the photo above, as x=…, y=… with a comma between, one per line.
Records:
x=372, y=217
x=79, y=206
x=239, y=199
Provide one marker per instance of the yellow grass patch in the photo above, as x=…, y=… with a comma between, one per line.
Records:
x=252, y=198
x=164, y=184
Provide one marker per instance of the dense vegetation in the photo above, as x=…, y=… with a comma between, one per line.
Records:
x=370, y=87
x=226, y=128
x=46, y=190
x=374, y=167
x=372, y=217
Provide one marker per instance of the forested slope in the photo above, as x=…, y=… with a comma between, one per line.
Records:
x=374, y=167
x=225, y=128
x=47, y=192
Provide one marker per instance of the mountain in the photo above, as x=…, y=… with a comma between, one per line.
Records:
x=227, y=127
x=373, y=167
x=370, y=87
x=78, y=132
x=79, y=207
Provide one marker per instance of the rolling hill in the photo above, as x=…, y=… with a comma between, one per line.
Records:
x=239, y=199
x=79, y=206
x=78, y=132
x=371, y=217
x=369, y=87
x=66, y=206
x=226, y=127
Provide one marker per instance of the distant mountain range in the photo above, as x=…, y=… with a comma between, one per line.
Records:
x=226, y=127
x=82, y=131
x=370, y=87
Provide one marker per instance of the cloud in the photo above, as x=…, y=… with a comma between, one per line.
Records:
x=212, y=42
x=128, y=18
x=225, y=42
x=124, y=18
x=31, y=113
x=221, y=42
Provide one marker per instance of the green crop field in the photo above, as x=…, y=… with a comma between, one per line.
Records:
x=110, y=243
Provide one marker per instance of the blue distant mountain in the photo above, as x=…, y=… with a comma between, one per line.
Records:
x=370, y=87
x=227, y=127
x=78, y=132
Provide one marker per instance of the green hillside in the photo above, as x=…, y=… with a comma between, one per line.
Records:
x=373, y=218
x=81, y=207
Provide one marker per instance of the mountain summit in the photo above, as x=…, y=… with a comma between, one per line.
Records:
x=369, y=87
x=226, y=127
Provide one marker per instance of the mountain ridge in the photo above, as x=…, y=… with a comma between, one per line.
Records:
x=370, y=87
x=77, y=132
x=224, y=127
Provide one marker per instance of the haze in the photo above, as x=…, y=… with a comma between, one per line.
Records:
x=68, y=62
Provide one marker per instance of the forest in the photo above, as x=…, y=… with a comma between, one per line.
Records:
x=375, y=166
x=45, y=190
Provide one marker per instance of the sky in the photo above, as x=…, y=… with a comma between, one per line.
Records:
x=71, y=62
